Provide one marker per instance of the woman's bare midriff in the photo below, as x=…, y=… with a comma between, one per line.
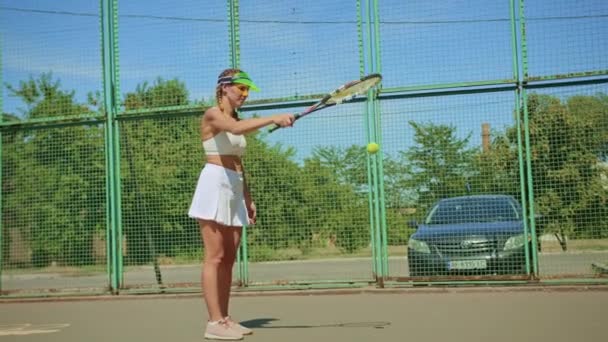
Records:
x=228, y=161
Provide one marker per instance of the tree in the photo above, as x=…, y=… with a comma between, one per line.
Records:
x=440, y=163
x=338, y=209
x=349, y=165
x=162, y=93
x=58, y=200
x=569, y=141
x=44, y=98
x=593, y=112
x=275, y=182
x=497, y=170
x=157, y=164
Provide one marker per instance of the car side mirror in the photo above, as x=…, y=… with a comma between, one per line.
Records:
x=412, y=224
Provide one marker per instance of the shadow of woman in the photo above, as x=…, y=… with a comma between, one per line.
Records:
x=268, y=323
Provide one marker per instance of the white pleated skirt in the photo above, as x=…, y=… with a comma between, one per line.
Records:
x=219, y=197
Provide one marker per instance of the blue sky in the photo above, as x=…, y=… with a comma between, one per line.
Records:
x=292, y=48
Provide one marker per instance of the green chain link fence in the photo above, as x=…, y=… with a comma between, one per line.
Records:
x=498, y=109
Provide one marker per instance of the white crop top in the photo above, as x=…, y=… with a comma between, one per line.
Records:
x=225, y=143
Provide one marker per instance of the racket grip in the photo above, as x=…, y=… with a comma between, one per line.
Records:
x=275, y=127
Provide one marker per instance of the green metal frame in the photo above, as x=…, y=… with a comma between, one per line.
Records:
x=370, y=175
x=368, y=26
x=373, y=99
x=528, y=188
x=370, y=61
x=109, y=30
x=242, y=257
x=518, y=120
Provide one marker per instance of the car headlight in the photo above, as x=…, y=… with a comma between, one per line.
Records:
x=418, y=246
x=514, y=242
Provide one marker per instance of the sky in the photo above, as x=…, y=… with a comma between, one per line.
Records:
x=294, y=48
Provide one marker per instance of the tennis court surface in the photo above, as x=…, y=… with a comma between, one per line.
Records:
x=448, y=314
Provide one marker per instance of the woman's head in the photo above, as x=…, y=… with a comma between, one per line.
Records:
x=235, y=84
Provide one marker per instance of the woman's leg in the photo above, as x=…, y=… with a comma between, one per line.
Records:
x=221, y=245
x=213, y=240
x=232, y=239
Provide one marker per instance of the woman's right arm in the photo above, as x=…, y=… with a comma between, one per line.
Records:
x=219, y=121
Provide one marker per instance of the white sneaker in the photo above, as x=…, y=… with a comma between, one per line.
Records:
x=221, y=330
x=238, y=327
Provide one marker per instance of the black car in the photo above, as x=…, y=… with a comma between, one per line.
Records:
x=469, y=235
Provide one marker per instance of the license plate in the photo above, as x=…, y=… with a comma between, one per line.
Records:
x=467, y=264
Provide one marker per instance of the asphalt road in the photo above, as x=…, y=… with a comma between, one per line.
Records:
x=551, y=265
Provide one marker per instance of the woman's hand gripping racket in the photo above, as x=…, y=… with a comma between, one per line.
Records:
x=343, y=94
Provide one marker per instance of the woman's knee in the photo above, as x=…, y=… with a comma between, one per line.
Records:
x=214, y=258
x=220, y=259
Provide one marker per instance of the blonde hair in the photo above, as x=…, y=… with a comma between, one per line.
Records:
x=218, y=88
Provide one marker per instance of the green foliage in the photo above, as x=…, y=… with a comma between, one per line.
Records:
x=498, y=168
x=157, y=164
x=349, y=165
x=55, y=194
x=161, y=94
x=273, y=180
x=440, y=163
x=569, y=140
x=398, y=230
x=568, y=143
x=303, y=206
x=54, y=178
x=335, y=209
x=44, y=98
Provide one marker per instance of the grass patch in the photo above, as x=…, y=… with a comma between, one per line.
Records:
x=582, y=245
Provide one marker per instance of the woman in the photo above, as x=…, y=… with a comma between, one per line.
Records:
x=222, y=203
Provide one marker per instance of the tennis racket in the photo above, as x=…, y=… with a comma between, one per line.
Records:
x=343, y=94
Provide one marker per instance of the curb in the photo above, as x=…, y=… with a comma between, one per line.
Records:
x=324, y=292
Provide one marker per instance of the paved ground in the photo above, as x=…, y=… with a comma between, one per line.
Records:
x=451, y=314
x=551, y=265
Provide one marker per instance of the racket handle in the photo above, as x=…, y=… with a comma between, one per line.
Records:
x=275, y=127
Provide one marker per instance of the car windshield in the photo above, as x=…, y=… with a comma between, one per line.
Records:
x=464, y=210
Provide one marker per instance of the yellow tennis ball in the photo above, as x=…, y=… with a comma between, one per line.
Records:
x=372, y=147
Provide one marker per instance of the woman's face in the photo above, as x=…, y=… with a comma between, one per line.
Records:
x=237, y=94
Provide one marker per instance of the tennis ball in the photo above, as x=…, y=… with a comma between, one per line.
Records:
x=372, y=147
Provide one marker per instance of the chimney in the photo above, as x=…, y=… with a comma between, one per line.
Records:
x=485, y=137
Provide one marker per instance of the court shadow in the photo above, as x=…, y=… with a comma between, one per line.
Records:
x=270, y=323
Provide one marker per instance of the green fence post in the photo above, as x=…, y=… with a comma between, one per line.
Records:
x=371, y=160
x=233, y=30
x=518, y=122
x=522, y=174
x=366, y=124
x=530, y=184
x=109, y=25
x=377, y=68
x=375, y=175
x=527, y=146
x=235, y=60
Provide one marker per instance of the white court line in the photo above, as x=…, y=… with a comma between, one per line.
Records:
x=30, y=329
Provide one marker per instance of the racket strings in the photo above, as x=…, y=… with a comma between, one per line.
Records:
x=349, y=91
